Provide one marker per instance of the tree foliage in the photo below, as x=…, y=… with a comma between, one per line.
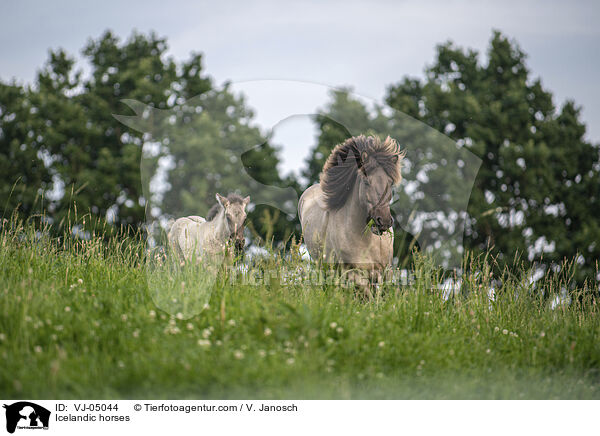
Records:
x=60, y=138
x=23, y=175
x=537, y=193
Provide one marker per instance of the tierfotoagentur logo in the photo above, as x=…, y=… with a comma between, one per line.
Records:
x=406, y=184
x=25, y=415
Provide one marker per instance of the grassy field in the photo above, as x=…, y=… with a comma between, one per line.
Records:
x=80, y=320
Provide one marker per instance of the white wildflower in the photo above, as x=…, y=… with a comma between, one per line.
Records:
x=171, y=329
x=204, y=342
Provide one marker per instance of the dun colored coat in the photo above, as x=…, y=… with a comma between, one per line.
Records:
x=346, y=217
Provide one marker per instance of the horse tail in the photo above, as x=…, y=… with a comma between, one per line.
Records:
x=173, y=238
x=300, y=204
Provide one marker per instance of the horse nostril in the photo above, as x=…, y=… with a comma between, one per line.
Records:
x=379, y=221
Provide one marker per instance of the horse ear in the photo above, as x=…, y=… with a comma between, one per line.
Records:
x=222, y=200
x=364, y=157
x=246, y=201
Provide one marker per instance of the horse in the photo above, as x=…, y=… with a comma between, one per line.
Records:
x=195, y=236
x=346, y=217
x=237, y=237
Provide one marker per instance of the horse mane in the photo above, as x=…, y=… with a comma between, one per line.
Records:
x=214, y=210
x=343, y=164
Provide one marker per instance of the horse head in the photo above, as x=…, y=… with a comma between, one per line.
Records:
x=375, y=191
x=235, y=213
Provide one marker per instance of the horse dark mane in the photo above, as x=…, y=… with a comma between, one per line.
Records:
x=364, y=153
x=213, y=211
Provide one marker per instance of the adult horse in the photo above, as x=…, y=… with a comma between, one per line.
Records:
x=345, y=217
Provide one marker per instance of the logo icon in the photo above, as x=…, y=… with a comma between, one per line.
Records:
x=26, y=415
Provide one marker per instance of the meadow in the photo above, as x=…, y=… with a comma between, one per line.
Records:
x=83, y=319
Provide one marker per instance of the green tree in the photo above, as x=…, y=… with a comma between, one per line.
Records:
x=211, y=146
x=23, y=175
x=340, y=114
x=94, y=157
x=437, y=188
x=537, y=192
x=61, y=136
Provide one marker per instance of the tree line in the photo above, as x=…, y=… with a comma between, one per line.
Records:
x=536, y=193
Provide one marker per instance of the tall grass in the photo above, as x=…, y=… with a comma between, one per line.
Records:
x=89, y=318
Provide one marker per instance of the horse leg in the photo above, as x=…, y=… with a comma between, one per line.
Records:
x=359, y=280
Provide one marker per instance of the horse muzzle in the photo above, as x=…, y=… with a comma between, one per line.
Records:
x=382, y=221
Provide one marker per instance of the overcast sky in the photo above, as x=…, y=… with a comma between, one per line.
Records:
x=366, y=45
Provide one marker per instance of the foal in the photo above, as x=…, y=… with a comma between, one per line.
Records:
x=237, y=235
x=194, y=236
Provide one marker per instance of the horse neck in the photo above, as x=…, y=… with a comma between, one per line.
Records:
x=355, y=215
x=221, y=227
